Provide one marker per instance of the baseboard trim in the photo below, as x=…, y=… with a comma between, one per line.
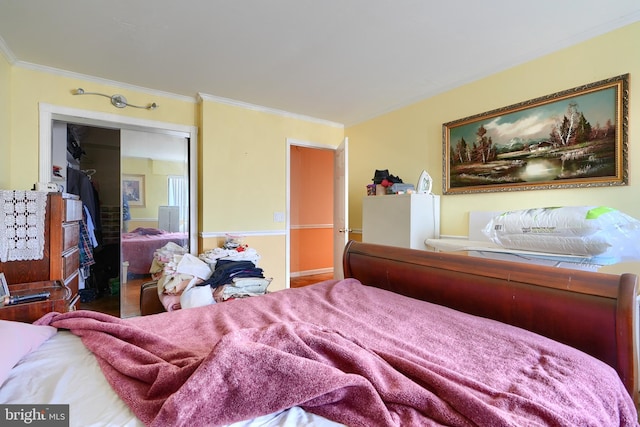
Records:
x=312, y=272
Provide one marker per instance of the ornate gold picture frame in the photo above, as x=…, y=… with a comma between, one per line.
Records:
x=574, y=138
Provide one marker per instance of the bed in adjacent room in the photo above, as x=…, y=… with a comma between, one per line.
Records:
x=409, y=338
x=139, y=245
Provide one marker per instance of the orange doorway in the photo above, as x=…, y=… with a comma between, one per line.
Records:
x=311, y=211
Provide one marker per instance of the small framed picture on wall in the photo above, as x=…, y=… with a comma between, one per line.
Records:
x=133, y=190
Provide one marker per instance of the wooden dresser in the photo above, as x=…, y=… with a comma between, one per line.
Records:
x=61, y=256
x=64, y=259
x=60, y=301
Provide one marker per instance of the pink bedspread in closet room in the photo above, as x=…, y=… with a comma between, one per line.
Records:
x=139, y=245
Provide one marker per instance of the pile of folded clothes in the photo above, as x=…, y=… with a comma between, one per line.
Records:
x=212, y=256
x=235, y=273
x=241, y=287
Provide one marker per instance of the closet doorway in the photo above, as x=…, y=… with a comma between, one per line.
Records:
x=87, y=159
x=129, y=162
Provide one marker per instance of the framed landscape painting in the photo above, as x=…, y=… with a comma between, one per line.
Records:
x=574, y=138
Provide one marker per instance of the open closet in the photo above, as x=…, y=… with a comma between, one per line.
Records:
x=86, y=162
x=136, y=192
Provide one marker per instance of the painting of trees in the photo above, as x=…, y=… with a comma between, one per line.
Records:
x=554, y=141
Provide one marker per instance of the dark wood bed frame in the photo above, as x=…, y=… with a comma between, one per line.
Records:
x=593, y=312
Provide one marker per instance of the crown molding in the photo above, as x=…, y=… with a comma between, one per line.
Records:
x=263, y=109
x=99, y=80
x=8, y=54
x=200, y=97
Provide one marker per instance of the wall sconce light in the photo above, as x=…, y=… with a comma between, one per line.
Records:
x=117, y=101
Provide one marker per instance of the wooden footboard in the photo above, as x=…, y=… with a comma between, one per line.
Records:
x=594, y=312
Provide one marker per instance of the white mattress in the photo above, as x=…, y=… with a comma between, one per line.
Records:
x=63, y=371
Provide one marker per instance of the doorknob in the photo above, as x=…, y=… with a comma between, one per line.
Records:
x=345, y=230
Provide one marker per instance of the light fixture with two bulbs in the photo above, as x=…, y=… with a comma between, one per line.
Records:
x=118, y=101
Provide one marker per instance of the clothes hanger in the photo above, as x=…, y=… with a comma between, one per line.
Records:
x=89, y=172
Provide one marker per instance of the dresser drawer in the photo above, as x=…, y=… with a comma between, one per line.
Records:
x=72, y=283
x=72, y=210
x=70, y=263
x=70, y=235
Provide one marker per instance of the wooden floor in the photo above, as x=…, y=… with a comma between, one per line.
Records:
x=127, y=303
x=298, y=282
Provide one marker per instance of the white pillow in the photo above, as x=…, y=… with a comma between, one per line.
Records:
x=572, y=230
x=586, y=246
x=19, y=340
x=566, y=221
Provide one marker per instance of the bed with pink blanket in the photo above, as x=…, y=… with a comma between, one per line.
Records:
x=409, y=338
x=139, y=245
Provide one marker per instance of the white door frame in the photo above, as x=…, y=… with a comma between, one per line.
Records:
x=294, y=142
x=341, y=228
x=49, y=113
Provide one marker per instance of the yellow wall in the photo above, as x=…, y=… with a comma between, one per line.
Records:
x=34, y=87
x=409, y=140
x=244, y=164
x=5, y=123
x=243, y=176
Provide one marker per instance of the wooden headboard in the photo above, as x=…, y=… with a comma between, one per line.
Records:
x=593, y=312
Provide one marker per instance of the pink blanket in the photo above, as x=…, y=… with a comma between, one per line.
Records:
x=354, y=354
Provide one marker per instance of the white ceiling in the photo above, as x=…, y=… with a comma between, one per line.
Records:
x=343, y=61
